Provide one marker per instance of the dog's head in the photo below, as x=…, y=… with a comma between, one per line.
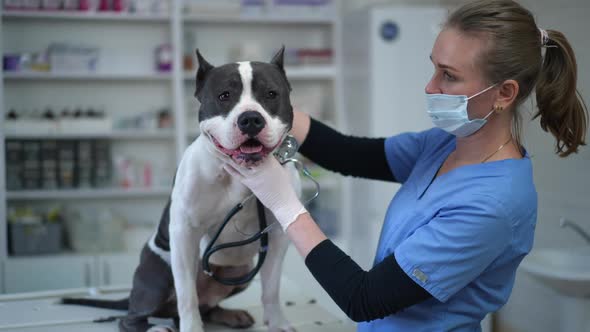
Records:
x=245, y=107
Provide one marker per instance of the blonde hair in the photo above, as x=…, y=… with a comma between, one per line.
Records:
x=514, y=52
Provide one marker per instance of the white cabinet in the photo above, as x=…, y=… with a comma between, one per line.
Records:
x=117, y=270
x=46, y=273
x=28, y=274
x=386, y=56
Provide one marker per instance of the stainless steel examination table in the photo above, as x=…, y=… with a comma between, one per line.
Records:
x=40, y=311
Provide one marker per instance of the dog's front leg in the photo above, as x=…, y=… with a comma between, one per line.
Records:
x=184, y=253
x=270, y=276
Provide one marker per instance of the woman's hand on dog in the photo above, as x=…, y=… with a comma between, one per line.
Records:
x=271, y=184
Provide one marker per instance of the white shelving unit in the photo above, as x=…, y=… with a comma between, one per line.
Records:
x=295, y=73
x=260, y=19
x=310, y=72
x=173, y=90
x=87, y=77
x=115, y=135
x=82, y=16
x=87, y=193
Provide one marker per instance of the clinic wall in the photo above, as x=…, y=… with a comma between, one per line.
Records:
x=563, y=184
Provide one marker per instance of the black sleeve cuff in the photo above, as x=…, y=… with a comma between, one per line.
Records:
x=363, y=296
x=349, y=155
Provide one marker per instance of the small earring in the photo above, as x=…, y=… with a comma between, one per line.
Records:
x=498, y=108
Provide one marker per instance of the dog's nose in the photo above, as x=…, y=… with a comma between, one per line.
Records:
x=251, y=123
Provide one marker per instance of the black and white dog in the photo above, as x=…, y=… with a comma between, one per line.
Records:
x=245, y=113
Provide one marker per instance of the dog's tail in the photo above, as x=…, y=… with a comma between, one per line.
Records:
x=122, y=304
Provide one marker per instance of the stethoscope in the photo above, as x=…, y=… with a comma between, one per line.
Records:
x=285, y=154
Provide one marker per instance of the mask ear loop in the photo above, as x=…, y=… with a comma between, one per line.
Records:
x=484, y=90
x=487, y=116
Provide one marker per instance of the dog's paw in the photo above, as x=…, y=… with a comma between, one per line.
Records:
x=276, y=321
x=282, y=329
x=233, y=318
x=188, y=325
x=161, y=328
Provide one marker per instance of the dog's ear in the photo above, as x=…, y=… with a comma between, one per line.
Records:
x=278, y=60
x=204, y=69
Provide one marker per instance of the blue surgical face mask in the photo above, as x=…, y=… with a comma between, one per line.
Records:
x=449, y=112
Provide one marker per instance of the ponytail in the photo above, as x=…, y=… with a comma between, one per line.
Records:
x=560, y=106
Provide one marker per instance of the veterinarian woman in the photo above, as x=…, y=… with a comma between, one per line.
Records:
x=465, y=215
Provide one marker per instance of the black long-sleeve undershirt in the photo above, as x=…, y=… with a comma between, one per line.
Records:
x=349, y=155
x=363, y=295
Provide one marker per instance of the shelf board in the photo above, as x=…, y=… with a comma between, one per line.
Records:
x=70, y=254
x=326, y=184
x=311, y=72
x=115, y=135
x=87, y=76
x=123, y=135
x=82, y=16
x=308, y=72
x=16, y=14
x=88, y=193
x=259, y=19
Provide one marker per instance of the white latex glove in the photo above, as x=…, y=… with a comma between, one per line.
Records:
x=271, y=183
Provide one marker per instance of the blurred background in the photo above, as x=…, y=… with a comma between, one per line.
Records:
x=97, y=109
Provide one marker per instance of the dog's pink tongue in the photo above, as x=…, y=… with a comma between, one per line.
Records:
x=251, y=149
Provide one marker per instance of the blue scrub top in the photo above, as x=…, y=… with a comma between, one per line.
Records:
x=460, y=236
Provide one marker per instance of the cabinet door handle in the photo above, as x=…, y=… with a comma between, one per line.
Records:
x=87, y=272
x=107, y=274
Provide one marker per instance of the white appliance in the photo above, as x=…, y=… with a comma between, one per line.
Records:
x=386, y=67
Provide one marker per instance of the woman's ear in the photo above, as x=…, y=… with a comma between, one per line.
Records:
x=507, y=93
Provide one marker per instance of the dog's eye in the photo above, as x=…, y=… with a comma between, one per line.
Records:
x=224, y=96
x=272, y=94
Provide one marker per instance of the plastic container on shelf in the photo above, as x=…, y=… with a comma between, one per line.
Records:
x=160, y=7
x=85, y=125
x=31, y=4
x=11, y=62
x=253, y=7
x=30, y=124
x=120, y=6
x=88, y=5
x=139, y=6
x=64, y=57
x=51, y=4
x=12, y=4
x=93, y=231
x=219, y=8
x=71, y=4
x=33, y=233
x=34, y=239
x=14, y=160
x=302, y=8
x=163, y=58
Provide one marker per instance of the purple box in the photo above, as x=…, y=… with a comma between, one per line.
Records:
x=10, y=62
x=163, y=56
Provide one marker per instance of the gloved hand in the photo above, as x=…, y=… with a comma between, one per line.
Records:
x=271, y=183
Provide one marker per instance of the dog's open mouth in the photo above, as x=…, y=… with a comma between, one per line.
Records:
x=251, y=151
